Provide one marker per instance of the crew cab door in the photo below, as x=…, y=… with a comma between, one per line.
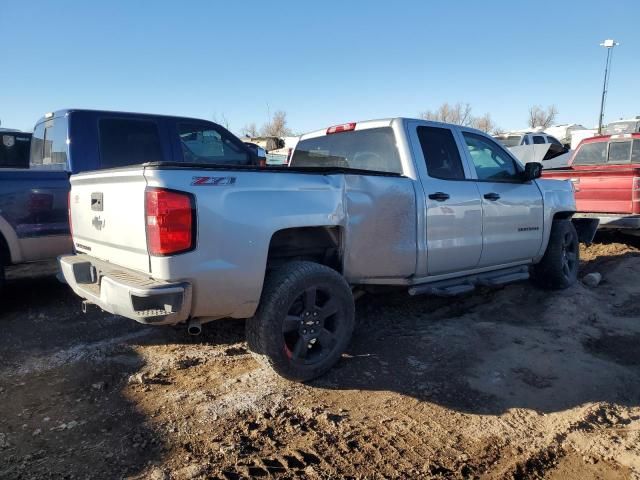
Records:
x=452, y=203
x=512, y=209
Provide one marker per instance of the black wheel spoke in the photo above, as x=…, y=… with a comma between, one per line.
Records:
x=310, y=296
x=326, y=338
x=291, y=324
x=330, y=308
x=571, y=256
x=300, y=349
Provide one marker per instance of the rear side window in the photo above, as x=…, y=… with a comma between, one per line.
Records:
x=553, y=140
x=128, y=142
x=591, y=154
x=49, y=147
x=204, y=144
x=537, y=139
x=620, y=152
x=440, y=153
x=372, y=149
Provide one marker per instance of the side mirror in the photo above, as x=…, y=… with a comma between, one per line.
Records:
x=532, y=170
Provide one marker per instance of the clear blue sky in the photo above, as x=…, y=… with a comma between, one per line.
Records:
x=322, y=62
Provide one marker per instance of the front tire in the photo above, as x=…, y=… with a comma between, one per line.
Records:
x=304, y=321
x=558, y=269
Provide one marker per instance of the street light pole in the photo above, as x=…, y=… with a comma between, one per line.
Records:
x=609, y=44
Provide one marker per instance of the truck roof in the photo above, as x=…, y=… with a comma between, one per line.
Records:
x=365, y=124
x=66, y=111
x=606, y=138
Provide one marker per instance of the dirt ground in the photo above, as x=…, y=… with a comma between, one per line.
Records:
x=510, y=383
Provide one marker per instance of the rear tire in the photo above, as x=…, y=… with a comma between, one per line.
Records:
x=558, y=269
x=304, y=321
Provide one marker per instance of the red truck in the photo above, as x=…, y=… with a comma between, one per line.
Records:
x=605, y=172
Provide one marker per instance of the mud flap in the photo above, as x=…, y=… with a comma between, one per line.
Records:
x=586, y=228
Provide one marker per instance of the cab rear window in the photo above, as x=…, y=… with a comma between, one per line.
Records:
x=49, y=146
x=372, y=149
x=615, y=152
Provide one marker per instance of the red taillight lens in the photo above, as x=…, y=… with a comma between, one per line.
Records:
x=170, y=220
x=345, y=127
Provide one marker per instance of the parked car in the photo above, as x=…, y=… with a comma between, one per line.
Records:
x=515, y=139
x=34, y=203
x=429, y=207
x=605, y=172
x=14, y=148
x=536, y=147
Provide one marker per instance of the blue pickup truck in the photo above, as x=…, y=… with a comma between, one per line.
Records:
x=34, y=202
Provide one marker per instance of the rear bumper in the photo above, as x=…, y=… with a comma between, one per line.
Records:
x=125, y=292
x=614, y=221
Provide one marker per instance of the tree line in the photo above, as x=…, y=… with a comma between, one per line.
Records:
x=458, y=113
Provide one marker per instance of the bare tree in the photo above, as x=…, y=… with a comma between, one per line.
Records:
x=460, y=114
x=538, y=117
x=223, y=120
x=277, y=126
x=484, y=123
x=250, y=130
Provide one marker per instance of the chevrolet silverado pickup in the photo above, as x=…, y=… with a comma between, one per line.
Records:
x=34, y=221
x=605, y=172
x=429, y=207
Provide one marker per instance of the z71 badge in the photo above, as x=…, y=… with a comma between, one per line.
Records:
x=214, y=181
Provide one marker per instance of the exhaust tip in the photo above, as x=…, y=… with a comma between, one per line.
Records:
x=194, y=328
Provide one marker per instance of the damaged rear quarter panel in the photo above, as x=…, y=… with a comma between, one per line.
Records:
x=380, y=233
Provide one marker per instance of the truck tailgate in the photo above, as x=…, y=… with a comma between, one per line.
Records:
x=108, y=218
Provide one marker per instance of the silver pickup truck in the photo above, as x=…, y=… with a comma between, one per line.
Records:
x=429, y=207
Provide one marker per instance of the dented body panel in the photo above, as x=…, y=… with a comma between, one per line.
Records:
x=387, y=228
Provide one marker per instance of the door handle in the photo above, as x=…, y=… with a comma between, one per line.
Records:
x=492, y=196
x=439, y=196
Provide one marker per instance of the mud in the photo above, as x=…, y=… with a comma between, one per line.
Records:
x=510, y=383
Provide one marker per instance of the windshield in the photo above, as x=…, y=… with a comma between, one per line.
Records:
x=509, y=140
x=14, y=150
x=372, y=149
x=616, y=128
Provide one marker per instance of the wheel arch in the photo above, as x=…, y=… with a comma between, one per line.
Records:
x=9, y=244
x=319, y=244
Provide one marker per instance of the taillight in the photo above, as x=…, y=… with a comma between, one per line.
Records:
x=345, y=127
x=636, y=184
x=170, y=220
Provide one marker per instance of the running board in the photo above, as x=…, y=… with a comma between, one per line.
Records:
x=457, y=286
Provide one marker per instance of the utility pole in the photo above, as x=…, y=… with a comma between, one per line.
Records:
x=609, y=44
